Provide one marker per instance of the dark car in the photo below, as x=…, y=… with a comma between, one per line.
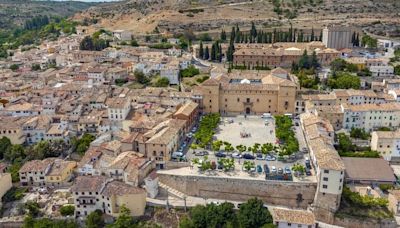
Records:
x=248, y=156
x=266, y=169
x=308, y=164
x=220, y=155
x=308, y=172
x=259, y=169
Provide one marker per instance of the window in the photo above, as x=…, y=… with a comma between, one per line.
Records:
x=326, y=171
x=289, y=224
x=325, y=179
x=325, y=186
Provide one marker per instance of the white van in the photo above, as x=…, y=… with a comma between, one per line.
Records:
x=266, y=115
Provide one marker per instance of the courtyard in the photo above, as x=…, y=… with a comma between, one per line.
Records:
x=247, y=131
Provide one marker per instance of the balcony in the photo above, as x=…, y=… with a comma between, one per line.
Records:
x=247, y=103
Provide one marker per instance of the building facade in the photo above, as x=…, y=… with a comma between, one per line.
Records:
x=249, y=93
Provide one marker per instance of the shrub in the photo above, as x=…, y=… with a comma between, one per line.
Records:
x=67, y=210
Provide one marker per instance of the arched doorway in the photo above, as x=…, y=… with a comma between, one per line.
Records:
x=247, y=110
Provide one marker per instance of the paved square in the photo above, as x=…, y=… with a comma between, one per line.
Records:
x=257, y=128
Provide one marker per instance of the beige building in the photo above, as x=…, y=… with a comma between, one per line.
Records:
x=33, y=173
x=92, y=193
x=394, y=201
x=387, y=143
x=11, y=127
x=5, y=184
x=337, y=37
x=249, y=92
x=280, y=54
x=60, y=173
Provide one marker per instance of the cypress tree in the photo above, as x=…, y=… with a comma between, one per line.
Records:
x=233, y=34
x=213, y=52
x=201, y=51
x=207, y=54
x=312, y=34
x=223, y=35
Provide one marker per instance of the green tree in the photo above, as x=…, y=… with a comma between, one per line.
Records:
x=124, y=219
x=162, y=82
x=32, y=208
x=134, y=43
x=345, y=144
x=368, y=41
x=343, y=80
x=14, y=67
x=94, y=219
x=185, y=222
x=35, y=67
x=248, y=165
x=253, y=214
x=201, y=51
x=141, y=77
x=16, y=151
x=223, y=36
x=5, y=145
x=66, y=210
x=207, y=54
x=241, y=148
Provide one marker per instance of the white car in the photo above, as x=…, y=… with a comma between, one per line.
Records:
x=236, y=155
x=273, y=169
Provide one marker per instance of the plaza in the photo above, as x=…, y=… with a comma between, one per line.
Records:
x=246, y=130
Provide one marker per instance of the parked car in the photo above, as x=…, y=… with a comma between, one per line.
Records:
x=248, y=156
x=297, y=124
x=266, y=115
x=201, y=153
x=273, y=169
x=259, y=169
x=304, y=150
x=253, y=169
x=308, y=172
x=236, y=155
x=220, y=155
x=280, y=170
x=270, y=158
x=287, y=170
x=177, y=155
x=266, y=169
x=259, y=156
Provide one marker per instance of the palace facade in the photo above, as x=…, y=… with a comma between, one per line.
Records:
x=249, y=92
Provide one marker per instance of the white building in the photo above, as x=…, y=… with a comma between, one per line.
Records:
x=329, y=167
x=382, y=71
x=387, y=143
x=122, y=35
x=97, y=75
x=288, y=218
x=92, y=193
x=172, y=73
x=371, y=116
x=118, y=108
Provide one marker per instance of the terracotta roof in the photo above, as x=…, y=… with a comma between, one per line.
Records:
x=88, y=184
x=293, y=216
x=120, y=189
x=37, y=165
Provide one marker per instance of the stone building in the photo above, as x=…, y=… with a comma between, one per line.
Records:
x=249, y=92
x=280, y=54
x=337, y=37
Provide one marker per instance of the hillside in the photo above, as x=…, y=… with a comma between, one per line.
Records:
x=15, y=12
x=148, y=16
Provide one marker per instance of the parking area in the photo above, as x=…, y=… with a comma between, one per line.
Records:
x=246, y=131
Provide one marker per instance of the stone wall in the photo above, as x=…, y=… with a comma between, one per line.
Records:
x=364, y=223
x=271, y=192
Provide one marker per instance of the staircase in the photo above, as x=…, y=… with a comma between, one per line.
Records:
x=172, y=191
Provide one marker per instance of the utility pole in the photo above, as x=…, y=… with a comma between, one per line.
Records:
x=184, y=201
